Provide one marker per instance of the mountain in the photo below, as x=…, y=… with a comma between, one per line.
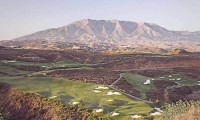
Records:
x=110, y=31
x=116, y=34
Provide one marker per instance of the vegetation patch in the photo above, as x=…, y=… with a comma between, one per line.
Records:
x=70, y=92
x=138, y=82
x=188, y=110
x=12, y=71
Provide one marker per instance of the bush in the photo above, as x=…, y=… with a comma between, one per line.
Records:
x=188, y=110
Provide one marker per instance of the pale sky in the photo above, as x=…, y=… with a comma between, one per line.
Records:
x=22, y=17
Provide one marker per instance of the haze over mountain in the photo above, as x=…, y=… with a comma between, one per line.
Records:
x=118, y=34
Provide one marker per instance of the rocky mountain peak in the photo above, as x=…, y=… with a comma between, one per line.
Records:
x=117, y=33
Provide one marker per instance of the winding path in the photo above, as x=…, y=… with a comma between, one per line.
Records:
x=129, y=95
x=120, y=76
x=134, y=97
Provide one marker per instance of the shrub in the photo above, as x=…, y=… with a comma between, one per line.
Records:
x=188, y=110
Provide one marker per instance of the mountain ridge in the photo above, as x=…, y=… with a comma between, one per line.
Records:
x=117, y=34
x=108, y=27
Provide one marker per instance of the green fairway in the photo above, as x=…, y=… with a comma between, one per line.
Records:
x=47, y=65
x=137, y=81
x=181, y=79
x=12, y=71
x=73, y=91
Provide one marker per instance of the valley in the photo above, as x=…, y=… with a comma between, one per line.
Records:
x=99, y=60
x=114, y=86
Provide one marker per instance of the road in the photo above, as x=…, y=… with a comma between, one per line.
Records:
x=129, y=95
x=120, y=76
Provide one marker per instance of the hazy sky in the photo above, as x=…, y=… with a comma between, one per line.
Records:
x=21, y=17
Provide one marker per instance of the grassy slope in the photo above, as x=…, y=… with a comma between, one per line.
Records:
x=137, y=81
x=68, y=91
x=12, y=71
x=185, y=81
x=51, y=64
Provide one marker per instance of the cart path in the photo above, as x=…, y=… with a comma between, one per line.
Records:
x=127, y=94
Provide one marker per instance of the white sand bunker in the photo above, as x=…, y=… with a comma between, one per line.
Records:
x=171, y=79
x=7, y=61
x=156, y=113
x=162, y=77
x=110, y=100
x=114, y=114
x=170, y=76
x=152, y=79
x=147, y=82
x=98, y=110
x=101, y=87
x=158, y=109
x=178, y=79
x=96, y=91
x=113, y=93
x=75, y=103
x=61, y=65
x=136, y=116
x=198, y=84
x=52, y=97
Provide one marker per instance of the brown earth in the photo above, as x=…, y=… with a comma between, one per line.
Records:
x=141, y=62
x=192, y=72
x=147, y=65
x=99, y=76
x=161, y=92
x=127, y=87
x=29, y=106
x=30, y=55
x=165, y=92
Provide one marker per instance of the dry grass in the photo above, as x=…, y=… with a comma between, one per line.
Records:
x=182, y=111
x=192, y=114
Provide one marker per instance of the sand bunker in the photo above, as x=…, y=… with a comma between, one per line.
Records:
x=156, y=113
x=136, y=116
x=96, y=91
x=98, y=110
x=75, y=103
x=147, y=82
x=101, y=87
x=115, y=114
x=113, y=93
